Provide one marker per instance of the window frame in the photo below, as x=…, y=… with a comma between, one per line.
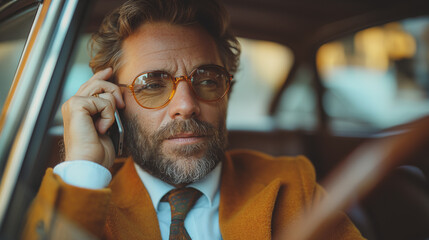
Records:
x=31, y=104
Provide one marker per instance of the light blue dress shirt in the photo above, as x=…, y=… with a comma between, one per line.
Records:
x=202, y=221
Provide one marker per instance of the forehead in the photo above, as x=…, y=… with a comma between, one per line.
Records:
x=172, y=48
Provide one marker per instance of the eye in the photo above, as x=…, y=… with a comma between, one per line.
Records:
x=150, y=86
x=154, y=85
x=208, y=83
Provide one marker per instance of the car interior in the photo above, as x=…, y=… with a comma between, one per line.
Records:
x=345, y=83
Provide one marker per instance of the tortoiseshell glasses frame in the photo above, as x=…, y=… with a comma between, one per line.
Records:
x=155, y=89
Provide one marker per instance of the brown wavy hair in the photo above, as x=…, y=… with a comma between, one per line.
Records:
x=124, y=21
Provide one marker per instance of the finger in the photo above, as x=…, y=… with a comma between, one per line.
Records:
x=104, y=74
x=92, y=85
x=100, y=87
x=99, y=84
x=109, y=97
x=105, y=106
x=79, y=107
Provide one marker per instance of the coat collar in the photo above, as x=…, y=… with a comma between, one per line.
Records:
x=245, y=203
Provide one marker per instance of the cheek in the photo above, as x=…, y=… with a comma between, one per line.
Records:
x=131, y=106
x=129, y=98
x=147, y=119
x=214, y=113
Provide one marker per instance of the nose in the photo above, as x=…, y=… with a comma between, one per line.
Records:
x=183, y=104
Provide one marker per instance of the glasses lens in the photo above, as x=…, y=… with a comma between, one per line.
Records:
x=210, y=83
x=153, y=89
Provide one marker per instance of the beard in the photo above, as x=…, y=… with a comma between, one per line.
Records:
x=182, y=164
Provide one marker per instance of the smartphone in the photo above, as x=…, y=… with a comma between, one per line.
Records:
x=116, y=133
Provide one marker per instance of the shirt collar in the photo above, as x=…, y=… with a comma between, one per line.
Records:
x=156, y=188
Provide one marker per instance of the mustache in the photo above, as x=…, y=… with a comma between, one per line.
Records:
x=175, y=127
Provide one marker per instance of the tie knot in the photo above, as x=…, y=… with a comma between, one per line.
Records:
x=181, y=201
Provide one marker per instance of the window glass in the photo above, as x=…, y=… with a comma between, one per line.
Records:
x=378, y=77
x=297, y=109
x=79, y=73
x=264, y=66
x=13, y=34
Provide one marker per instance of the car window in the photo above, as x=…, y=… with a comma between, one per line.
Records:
x=264, y=66
x=377, y=78
x=13, y=34
x=297, y=109
x=79, y=73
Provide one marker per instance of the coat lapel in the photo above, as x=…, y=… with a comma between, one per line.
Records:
x=132, y=213
x=246, y=205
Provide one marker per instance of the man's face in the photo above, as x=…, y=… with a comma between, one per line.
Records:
x=183, y=141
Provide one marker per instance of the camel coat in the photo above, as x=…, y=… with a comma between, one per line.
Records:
x=259, y=196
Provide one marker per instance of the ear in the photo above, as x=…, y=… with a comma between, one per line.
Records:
x=231, y=87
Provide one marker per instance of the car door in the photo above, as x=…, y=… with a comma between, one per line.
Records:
x=39, y=36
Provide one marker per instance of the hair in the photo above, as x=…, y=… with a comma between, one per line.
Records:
x=106, y=44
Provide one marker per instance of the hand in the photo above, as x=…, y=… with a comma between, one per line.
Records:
x=87, y=118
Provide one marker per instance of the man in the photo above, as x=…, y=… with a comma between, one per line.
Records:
x=166, y=64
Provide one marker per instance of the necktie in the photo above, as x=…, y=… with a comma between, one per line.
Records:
x=181, y=201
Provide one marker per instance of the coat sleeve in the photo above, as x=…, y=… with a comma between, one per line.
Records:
x=62, y=211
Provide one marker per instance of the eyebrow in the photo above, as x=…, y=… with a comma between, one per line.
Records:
x=170, y=71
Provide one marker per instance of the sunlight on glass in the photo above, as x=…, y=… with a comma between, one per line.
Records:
x=331, y=55
x=399, y=43
x=264, y=66
x=373, y=48
x=377, y=78
x=270, y=60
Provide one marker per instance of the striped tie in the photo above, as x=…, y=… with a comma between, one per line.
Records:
x=181, y=201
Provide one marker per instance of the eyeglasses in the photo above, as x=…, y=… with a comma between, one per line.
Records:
x=155, y=89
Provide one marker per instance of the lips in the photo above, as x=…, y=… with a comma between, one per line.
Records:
x=185, y=135
x=184, y=139
x=184, y=132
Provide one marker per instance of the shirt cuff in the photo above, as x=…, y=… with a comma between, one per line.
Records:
x=83, y=173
